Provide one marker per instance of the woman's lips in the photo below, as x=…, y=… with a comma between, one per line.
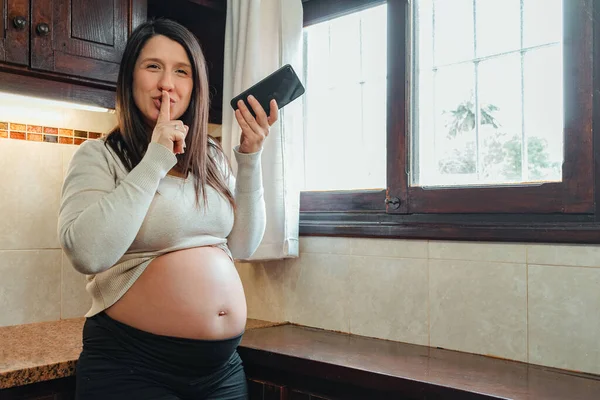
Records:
x=158, y=101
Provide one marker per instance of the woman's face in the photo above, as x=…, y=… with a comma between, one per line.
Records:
x=163, y=64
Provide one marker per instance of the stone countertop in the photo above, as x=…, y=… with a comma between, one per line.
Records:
x=49, y=350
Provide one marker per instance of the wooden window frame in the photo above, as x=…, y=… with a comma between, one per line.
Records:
x=553, y=212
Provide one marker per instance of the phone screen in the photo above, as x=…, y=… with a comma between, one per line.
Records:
x=282, y=85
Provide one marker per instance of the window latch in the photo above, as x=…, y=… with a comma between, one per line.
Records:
x=393, y=203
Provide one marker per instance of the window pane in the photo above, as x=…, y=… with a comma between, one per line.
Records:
x=542, y=22
x=370, y=162
x=478, y=121
x=544, y=112
x=498, y=26
x=500, y=120
x=452, y=30
x=424, y=42
x=447, y=151
x=344, y=46
x=345, y=102
x=373, y=38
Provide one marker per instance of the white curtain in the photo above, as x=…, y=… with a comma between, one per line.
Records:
x=260, y=37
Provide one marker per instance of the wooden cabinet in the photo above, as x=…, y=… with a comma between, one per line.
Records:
x=300, y=395
x=258, y=390
x=72, y=38
x=70, y=50
x=64, y=389
x=261, y=390
x=56, y=389
x=84, y=38
x=14, y=43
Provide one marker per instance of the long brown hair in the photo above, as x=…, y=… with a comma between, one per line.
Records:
x=203, y=158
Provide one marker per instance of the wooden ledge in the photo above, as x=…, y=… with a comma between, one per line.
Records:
x=353, y=367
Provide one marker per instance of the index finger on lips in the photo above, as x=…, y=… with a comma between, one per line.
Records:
x=165, y=108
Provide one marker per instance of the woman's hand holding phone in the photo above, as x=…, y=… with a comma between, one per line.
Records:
x=254, y=130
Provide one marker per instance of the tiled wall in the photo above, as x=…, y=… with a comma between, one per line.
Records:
x=50, y=121
x=36, y=281
x=531, y=303
x=37, y=133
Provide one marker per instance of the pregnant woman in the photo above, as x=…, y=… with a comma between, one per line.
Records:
x=154, y=218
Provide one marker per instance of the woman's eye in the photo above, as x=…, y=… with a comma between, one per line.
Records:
x=152, y=66
x=182, y=71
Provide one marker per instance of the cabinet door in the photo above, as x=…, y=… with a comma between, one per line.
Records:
x=300, y=395
x=14, y=26
x=83, y=38
x=258, y=390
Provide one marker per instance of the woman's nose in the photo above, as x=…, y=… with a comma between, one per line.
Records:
x=165, y=83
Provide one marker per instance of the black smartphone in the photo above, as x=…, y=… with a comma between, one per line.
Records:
x=282, y=85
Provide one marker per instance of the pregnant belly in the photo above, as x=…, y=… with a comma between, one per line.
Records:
x=194, y=293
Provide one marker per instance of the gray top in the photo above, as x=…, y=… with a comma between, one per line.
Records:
x=112, y=223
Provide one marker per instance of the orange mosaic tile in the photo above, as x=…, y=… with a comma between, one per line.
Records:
x=17, y=127
x=17, y=135
x=34, y=129
x=38, y=133
x=52, y=131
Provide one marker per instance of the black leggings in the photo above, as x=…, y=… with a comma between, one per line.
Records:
x=122, y=362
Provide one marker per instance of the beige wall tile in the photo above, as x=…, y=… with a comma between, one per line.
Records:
x=29, y=286
x=388, y=248
x=324, y=245
x=389, y=299
x=67, y=155
x=479, y=307
x=564, y=317
x=316, y=291
x=264, y=289
x=574, y=254
x=477, y=251
x=75, y=300
x=29, y=194
x=364, y=246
